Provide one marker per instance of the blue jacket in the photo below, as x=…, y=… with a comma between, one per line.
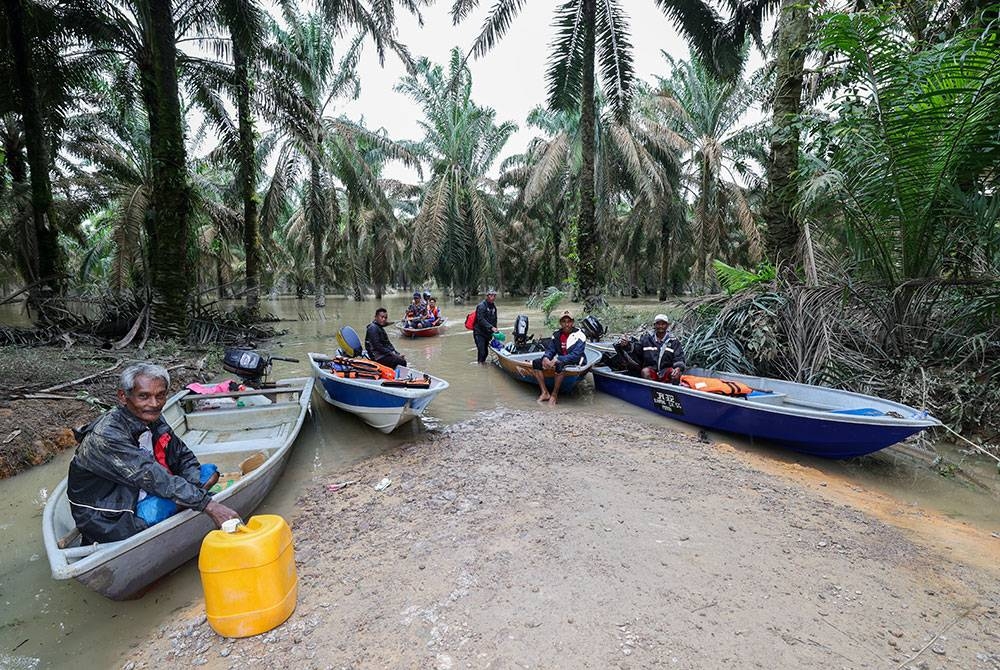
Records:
x=576, y=345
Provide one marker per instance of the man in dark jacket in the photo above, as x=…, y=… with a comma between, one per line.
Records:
x=567, y=347
x=486, y=325
x=661, y=354
x=130, y=453
x=377, y=342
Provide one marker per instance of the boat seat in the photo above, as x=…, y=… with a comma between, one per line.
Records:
x=265, y=444
x=798, y=402
x=767, y=398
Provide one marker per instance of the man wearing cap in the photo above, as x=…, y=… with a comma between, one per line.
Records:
x=661, y=354
x=415, y=311
x=486, y=325
x=565, y=348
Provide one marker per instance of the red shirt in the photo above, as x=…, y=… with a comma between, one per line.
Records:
x=563, y=336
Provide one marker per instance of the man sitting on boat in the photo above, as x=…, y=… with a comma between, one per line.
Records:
x=433, y=316
x=661, y=354
x=415, y=311
x=377, y=342
x=131, y=453
x=567, y=347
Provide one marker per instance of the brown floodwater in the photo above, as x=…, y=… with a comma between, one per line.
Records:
x=49, y=624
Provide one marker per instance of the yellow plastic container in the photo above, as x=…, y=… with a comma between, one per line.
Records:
x=249, y=577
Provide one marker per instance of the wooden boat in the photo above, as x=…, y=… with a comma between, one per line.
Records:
x=808, y=419
x=259, y=433
x=380, y=406
x=518, y=366
x=428, y=331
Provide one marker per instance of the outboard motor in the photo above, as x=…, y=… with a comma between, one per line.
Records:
x=250, y=366
x=592, y=328
x=521, y=330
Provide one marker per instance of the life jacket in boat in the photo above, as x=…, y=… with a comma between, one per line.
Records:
x=360, y=368
x=714, y=385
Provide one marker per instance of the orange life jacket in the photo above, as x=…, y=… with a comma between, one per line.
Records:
x=713, y=385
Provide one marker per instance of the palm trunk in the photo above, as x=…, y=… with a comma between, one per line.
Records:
x=586, y=231
x=246, y=174
x=316, y=210
x=353, y=212
x=167, y=218
x=47, y=265
x=665, y=252
x=784, y=230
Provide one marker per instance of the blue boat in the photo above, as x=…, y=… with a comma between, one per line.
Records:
x=380, y=406
x=518, y=366
x=807, y=419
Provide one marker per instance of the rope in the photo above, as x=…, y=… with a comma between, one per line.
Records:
x=973, y=444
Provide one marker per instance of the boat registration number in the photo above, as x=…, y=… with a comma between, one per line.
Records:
x=667, y=401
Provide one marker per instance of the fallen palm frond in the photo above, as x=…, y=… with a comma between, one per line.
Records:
x=931, y=344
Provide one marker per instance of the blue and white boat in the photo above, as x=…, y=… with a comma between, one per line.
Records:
x=382, y=407
x=808, y=419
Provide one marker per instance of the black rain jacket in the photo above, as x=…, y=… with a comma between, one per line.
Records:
x=109, y=468
x=377, y=342
x=658, y=355
x=486, y=319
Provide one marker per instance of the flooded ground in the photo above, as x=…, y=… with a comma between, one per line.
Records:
x=55, y=624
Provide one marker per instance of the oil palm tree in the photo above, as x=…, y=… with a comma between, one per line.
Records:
x=461, y=209
x=592, y=35
x=720, y=153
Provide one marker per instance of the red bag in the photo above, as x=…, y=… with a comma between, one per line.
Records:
x=470, y=321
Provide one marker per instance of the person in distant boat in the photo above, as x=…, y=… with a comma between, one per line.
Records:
x=567, y=347
x=486, y=325
x=433, y=317
x=415, y=311
x=659, y=352
x=131, y=453
x=377, y=342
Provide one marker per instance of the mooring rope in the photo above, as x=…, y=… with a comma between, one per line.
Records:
x=976, y=446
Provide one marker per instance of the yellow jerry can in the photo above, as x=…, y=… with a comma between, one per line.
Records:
x=248, y=576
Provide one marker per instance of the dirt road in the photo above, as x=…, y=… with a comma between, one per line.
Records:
x=551, y=539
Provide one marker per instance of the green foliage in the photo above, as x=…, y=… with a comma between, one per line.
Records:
x=734, y=280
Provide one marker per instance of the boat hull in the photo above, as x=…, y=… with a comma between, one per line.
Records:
x=380, y=407
x=124, y=570
x=833, y=432
x=518, y=366
x=429, y=331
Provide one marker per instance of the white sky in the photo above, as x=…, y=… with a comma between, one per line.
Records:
x=510, y=78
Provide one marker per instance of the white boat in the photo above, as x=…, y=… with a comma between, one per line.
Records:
x=380, y=406
x=227, y=437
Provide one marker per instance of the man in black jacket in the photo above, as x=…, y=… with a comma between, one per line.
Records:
x=377, y=342
x=130, y=453
x=661, y=354
x=486, y=325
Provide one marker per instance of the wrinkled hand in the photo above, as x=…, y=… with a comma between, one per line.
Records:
x=220, y=513
x=548, y=364
x=212, y=481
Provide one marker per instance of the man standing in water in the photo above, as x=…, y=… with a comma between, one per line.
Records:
x=486, y=325
x=377, y=342
x=130, y=453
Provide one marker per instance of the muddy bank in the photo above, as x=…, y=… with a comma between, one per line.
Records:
x=548, y=539
x=47, y=391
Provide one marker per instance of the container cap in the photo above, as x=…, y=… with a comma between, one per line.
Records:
x=230, y=525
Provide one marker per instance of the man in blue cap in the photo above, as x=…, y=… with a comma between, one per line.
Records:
x=415, y=311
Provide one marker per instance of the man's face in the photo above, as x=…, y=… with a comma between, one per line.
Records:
x=661, y=328
x=147, y=398
x=490, y=297
x=382, y=318
x=433, y=303
x=566, y=324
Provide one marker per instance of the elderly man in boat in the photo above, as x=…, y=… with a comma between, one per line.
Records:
x=658, y=352
x=131, y=453
x=567, y=347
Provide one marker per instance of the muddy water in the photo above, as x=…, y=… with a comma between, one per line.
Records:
x=54, y=624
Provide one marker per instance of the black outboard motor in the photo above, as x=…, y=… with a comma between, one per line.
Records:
x=592, y=328
x=250, y=366
x=521, y=330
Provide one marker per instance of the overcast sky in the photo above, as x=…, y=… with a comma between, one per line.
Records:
x=510, y=78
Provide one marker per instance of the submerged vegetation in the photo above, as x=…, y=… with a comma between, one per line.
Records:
x=159, y=156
